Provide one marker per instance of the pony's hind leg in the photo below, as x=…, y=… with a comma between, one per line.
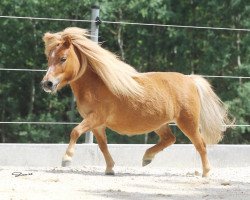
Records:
x=166, y=139
x=101, y=138
x=191, y=130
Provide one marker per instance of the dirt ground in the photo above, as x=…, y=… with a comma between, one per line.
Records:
x=90, y=183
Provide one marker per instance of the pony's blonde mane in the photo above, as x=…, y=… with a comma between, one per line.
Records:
x=116, y=75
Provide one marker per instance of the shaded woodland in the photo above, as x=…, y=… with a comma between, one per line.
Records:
x=147, y=48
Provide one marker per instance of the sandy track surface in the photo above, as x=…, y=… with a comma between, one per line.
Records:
x=90, y=183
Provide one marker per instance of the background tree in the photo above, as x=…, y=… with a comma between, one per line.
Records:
x=147, y=48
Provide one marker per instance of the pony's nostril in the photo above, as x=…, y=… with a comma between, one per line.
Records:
x=47, y=84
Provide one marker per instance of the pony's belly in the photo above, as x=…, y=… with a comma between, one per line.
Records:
x=135, y=127
x=139, y=121
x=131, y=132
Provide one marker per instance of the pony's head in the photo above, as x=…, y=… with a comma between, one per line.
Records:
x=64, y=60
x=69, y=54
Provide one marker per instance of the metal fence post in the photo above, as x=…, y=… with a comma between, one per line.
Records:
x=94, y=37
x=95, y=22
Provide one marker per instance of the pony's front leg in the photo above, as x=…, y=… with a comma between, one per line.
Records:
x=101, y=139
x=74, y=135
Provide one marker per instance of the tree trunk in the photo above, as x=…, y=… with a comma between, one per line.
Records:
x=238, y=50
x=32, y=95
x=2, y=126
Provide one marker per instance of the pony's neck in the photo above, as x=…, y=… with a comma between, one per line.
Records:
x=85, y=84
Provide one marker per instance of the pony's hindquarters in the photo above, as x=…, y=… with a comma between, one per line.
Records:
x=213, y=114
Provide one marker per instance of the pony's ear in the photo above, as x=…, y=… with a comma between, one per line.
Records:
x=66, y=41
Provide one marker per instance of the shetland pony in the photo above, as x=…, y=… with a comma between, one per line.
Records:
x=110, y=93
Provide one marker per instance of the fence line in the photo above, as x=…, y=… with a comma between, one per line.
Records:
x=75, y=123
x=179, y=26
x=43, y=70
x=234, y=77
x=42, y=123
x=130, y=23
x=25, y=70
x=46, y=18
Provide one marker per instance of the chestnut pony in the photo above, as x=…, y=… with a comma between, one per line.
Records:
x=110, y=93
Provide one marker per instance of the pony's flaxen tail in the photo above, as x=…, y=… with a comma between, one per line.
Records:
x=213, y=115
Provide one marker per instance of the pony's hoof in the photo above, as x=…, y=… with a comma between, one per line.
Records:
x=206, y=173
x=110, y=173
x=66, y=163
x=146, y=162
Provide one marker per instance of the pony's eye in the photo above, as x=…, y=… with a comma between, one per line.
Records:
x=63, y=59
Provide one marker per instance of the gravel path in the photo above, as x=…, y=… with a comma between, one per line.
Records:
x=90, y=183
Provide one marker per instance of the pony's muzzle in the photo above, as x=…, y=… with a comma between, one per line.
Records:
x=48, y=86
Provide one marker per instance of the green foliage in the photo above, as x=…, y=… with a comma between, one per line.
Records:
x=148, y=48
